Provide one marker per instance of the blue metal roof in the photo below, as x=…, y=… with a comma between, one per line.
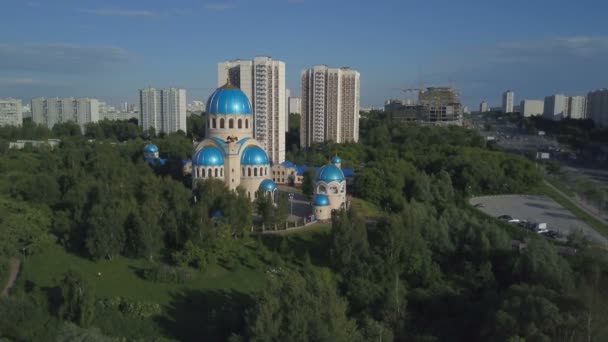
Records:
x=320, y=200
x=348, y=173
x=151, y=148
x=228, y=100
x=254, y=155
x=330, y=173
x=268, y=185
x=209, y=156
x=288, y=164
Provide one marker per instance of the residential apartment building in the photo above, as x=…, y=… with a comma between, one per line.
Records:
x=597, y=107
x=508, y=97
x=484, y=107
x=51, y=111
x=263, y=81
x=556, y=107
x=532, y=107
x=11, y=112
x=577, y=107
x=329, y=105
x=163, y=109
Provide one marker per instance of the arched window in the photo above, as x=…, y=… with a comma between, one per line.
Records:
x=221, y=123
x=209, y=174
x=240, y=123
x=216, y=172
x=249, y=172
x=243, y=174
x=255, y=172
x=203, y=172
x=231, y=123
x=222, y=172
x=246, y=123
x=214, y=123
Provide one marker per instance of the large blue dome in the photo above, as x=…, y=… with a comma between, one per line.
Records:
x=268, y=185
x=209, y=156
x=254, y=155
x=320, y=200
x=150, y=148
x=330, y=173
x=228, y=100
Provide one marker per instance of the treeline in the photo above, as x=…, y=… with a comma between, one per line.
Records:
x=580, y=134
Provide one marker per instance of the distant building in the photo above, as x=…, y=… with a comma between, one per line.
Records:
x=162, y=109
x=330, y=105
x=532, y=107
x=295, y=105
x=20, y=144
x=442, y=105
x=50, y=111
x=555, y=107
x=484, y=107
x=577, y=107
x=11, y=112
x=508, y=97
x=402, y=111
x=263, y=81
x=118, y=116
x=597, y=107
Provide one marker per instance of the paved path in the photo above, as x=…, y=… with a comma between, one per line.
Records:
x=14, y=271
x=582, y=206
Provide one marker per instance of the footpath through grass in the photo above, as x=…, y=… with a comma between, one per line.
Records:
x=544, y=189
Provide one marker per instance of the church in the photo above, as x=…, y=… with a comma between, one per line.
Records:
x=230, y=153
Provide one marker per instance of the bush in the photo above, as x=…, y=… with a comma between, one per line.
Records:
x=131, y=308
x=168, y=274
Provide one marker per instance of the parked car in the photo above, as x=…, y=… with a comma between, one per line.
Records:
x=505, y=217
x=479, y=205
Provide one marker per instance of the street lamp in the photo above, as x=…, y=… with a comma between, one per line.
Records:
x=291, y=203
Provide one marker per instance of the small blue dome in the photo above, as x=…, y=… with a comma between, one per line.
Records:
x=150, y=148
x=209, y=156
x=336, y=160
x=254, y=155
x=320, y=200
x=228, y=100
x=268, y=185
x=288, y=164
x=330, y=173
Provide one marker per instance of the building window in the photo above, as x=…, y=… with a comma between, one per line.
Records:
x=240, y=123
x=222, y=172
x=221, y=123
x=231, y=123
x=216, y=172
x=255, y=171
x=214, y=123
x=248, y=172
x=246, y=123
x=243, y=174
x=202, y=172
x=209, y=174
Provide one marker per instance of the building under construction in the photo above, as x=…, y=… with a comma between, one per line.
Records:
x=436, y=106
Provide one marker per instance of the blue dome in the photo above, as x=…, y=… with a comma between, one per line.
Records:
x=336, y=160
x=288, y=164
x=320, y=200
x=228, y=100
x=254, y=155
x=330, y=173
x=150, y=148
x=268, y=185
x=209, y=156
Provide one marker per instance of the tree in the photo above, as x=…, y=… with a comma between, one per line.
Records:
x=349, y=246
x=77, y=299
x=308, y=182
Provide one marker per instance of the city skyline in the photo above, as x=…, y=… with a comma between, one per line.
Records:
x=120, y=41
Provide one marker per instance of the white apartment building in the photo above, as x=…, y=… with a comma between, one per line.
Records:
x=162, y=109
x=295, y=105
x=329, y=105
x=11, y=112
x=532, y=107
x=508, y=97
x=556, y=107
x=263, y=81
x=577, y=107
x=597, y=107
x=484, y=107
x=50, y=111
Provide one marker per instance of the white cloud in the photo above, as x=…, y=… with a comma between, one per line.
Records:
x=60, y=58
x=24, y=81
x=119, y=12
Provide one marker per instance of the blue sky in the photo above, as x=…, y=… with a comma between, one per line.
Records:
x=109, y=48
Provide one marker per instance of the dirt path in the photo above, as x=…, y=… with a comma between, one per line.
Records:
x=14, y=271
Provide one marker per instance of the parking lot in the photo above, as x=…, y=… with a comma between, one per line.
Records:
x=536, y=209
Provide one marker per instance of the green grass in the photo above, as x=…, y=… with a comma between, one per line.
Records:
x=119, y=276
x=366, y=208
x=544, y=189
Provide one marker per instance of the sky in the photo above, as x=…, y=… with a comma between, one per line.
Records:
x=108, y=49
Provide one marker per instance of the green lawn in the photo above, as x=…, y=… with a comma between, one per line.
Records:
x=544, y=189
x=119, y=276
x=366, y=208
